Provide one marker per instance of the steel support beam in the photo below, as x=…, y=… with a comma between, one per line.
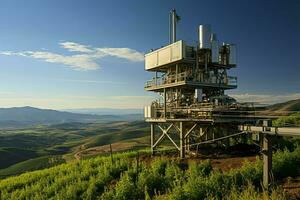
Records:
x=267, y=161
x=182, y=140
x=165, y=104
x=165, y=133
x=152, y=138
x=188, y=133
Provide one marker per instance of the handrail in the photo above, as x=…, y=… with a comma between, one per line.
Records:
x=172, y=78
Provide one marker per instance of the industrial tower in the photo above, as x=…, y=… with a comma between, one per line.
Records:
x=191, y=82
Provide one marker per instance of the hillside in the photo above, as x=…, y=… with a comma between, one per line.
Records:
x=106, y=111
x=70, y=140
x=289, y=106
x=136, y=176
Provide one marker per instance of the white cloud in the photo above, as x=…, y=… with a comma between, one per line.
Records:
x=133, y=97
x=93, y=81
x=86, y=59
x=75, y=47
x=126, y=53
x=78, y=62
x=265, y=98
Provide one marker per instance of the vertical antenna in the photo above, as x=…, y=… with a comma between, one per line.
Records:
x=170, y=27
x=173, y=19
x=173, y=26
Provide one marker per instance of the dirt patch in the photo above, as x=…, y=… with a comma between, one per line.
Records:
x=116, y=147
x=292, y=187
x=226, y=164
x=223, y=163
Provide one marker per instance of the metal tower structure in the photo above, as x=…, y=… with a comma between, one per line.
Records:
x=191, y=82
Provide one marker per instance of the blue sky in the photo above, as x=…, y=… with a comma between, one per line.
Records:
x=64, y=54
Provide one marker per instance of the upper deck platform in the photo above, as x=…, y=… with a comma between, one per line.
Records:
x=185, y=79
x=203, y=113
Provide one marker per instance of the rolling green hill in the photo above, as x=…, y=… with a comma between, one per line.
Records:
x=22, y=147
x=12, y=155
x=293, y=105
x=31, y=165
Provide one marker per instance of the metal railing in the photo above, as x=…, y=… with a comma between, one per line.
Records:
x=204, y=110
x=184, y=76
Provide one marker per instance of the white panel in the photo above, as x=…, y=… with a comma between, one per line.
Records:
x=176, y=51
x=165, y=55
x=151, y=60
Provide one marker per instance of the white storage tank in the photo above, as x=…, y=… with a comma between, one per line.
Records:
x=198, y=95
x=147, y=111
x=204, y=36
x=214, y=48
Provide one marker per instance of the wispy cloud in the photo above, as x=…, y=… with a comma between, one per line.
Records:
x=87, y=57
x=75, y=47
x=265, y=98
x=132, y=97
x=93, y=81
x=126, y=53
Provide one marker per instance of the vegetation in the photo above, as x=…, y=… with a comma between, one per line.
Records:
x=126, y=178
x=25, y=150
x=30, y=149
x=291, y=120
x=31, y=165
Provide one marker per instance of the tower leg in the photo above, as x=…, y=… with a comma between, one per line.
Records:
x=182, y=140
x=267, y=160
x=152, y=138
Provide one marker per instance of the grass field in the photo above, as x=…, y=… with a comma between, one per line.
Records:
x=135, y=175
x=69, y=162
x=31, y=165
x=33, y=147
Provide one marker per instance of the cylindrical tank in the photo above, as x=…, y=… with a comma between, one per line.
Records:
x=232, y=54
x=204, y=36
x=214, y=48
x=198, y=95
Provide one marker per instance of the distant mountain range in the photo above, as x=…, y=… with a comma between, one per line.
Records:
x=105, y=111
x=18, y=117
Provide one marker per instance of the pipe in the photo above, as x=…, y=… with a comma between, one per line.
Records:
x=174, y=26
x=173, y=19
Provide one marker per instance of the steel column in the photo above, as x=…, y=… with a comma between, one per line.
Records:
x=182, y=140
x=152, y=138
x=267, y=160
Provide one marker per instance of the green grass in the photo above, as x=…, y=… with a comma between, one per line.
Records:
x=99, y=178
x=291, y=120
x=32, y=143
x=31, y=165
x=11, y=155
x=117, y=136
